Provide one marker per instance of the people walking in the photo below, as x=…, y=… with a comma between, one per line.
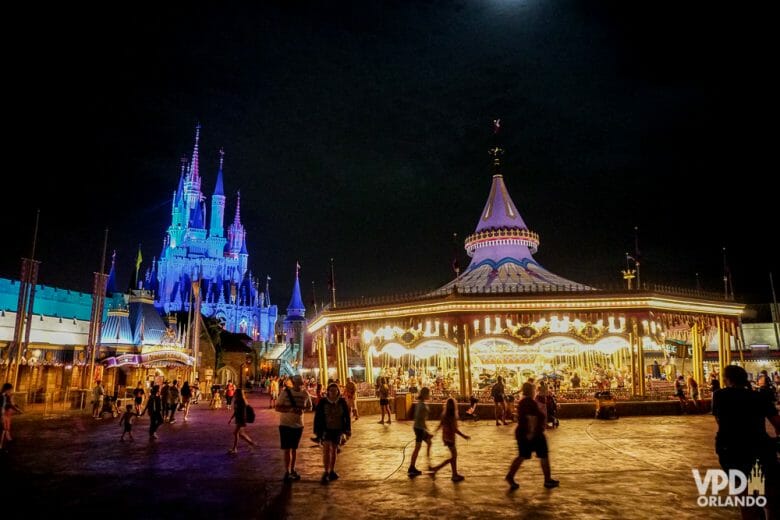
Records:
x=273, y=392
x=8, y=409
x=530, y=438
x=693, y=391
x=98, y=394
x=350, y=394
x=174, y=398
x=186, y=399
x=499, y=399
x=239, y=414
x=742, y=439
x=421, y=433
x=292, y=404
x=154, y=407
x=383, y=390
x=332, y=426
x=449, y=427
x=126, y=422
x=230, y=392
x=138, y=397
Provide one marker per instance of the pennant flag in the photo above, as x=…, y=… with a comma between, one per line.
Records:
x=297, y=268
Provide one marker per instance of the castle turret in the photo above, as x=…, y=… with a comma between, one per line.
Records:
x=236, y=232
x=295, y=322
x=217, y=227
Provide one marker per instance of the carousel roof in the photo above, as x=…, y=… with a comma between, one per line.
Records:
x=501, y=248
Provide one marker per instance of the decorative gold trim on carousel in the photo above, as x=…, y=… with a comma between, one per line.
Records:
x=502, y=236
x=464, y=304
x=527, y=332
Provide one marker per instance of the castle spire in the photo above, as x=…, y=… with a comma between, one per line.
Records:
x=219, y=188
x=216, y=228
x=296, y=307
x=194, y=166
x=180, y=189
x=237, y=218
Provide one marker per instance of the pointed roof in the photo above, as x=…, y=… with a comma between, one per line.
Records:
x=296, y=308
x=502, y=248
x=195, y=164
x=500, y=211
x=180, y=189
x=237, y=217
x=244, y=250
x=219, y=188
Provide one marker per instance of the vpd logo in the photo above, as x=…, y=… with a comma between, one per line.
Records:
x=742, y=490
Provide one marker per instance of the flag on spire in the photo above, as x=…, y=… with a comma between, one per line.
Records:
x=138, y=260
x=297, y=268
x=496, y=125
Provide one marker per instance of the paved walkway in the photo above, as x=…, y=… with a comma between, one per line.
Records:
x=637, y=467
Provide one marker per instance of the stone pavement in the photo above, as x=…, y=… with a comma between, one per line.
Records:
x=635, y=467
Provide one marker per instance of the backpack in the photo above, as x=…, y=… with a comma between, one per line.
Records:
x=250, y=414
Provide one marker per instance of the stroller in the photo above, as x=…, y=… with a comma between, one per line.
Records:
x=471, y=413
x=110, y=405
x=605, y=405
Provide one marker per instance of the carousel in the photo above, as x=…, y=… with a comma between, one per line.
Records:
x=506, y=315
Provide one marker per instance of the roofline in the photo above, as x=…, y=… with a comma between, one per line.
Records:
x=589, y=302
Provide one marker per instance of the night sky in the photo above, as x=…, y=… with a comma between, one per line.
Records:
x=359, y=131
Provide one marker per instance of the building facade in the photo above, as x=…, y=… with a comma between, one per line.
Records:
x=199, y=249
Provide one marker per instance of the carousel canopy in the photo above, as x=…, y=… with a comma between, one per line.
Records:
x=501, y=248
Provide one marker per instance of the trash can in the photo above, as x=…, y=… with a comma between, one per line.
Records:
x=404, y=406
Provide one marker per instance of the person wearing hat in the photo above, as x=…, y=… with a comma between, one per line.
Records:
x=291, y=405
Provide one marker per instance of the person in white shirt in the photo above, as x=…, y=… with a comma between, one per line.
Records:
x=292, y=403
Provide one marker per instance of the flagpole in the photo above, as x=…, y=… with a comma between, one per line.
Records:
x=313, y=297
x=332, y=285
x=636, y=258
x=725, y=276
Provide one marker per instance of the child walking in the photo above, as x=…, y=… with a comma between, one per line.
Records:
x=126, y=422
x=421, y=433
x=449, y=427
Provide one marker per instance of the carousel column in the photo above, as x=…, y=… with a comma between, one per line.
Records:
x=634, y=371
x=722, y=362
x=341, y=354
x=323, y=358
x=698, y=354
x=467, y=366
x=727, y=341
x=640, y=358
x=732, y=333
x=463, y=387
x=369, y=365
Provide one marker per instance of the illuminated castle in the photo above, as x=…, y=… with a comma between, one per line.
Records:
x=194, y=251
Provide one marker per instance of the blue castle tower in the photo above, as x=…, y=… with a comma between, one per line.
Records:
x=191, y=252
